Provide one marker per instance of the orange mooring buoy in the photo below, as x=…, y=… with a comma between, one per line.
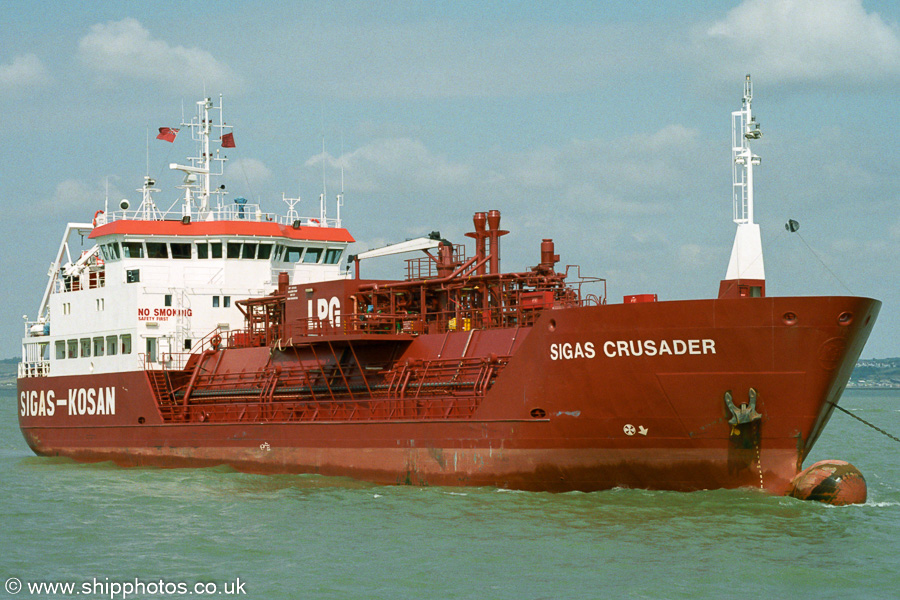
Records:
x=832, y=482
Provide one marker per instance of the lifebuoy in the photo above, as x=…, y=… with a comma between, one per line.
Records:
x=96, y=214
x=216, y=340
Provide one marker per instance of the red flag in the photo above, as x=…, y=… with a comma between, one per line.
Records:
x=228, y=140
x=167, y=133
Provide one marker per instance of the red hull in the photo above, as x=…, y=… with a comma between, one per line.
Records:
x=591, y=398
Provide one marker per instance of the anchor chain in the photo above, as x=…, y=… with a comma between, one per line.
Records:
x=863, y=421
x=759, y=466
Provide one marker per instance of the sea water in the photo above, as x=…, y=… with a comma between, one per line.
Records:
x=110, y=532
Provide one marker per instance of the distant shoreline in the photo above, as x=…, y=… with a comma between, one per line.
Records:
x=873, y=387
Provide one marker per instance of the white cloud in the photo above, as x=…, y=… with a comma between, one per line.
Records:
x=73, y=192
x=247, y=171
x=380, y=165
x=25, y=70
x=634, y=175
x=126, y=49
x=77, y=200
x=806, y=40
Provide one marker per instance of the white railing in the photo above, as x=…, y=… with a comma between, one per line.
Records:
x=230, y=212
x=34, y=369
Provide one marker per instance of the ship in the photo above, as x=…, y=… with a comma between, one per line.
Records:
x=214, y=333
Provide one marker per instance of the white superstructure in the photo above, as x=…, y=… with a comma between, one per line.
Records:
x=143, y=287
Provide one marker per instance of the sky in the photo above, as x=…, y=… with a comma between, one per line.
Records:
x=603, y=125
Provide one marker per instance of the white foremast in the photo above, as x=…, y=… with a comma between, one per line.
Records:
x=746, y=255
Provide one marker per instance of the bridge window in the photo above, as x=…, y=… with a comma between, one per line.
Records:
x=157, y=250
x=60, y=349
x=182, y=251
x=249, y=250
x=292, y=254
x=234, y=249
x=111, y=345
x=312, y=255
x=265, y=250
x=110, y=251
x=333, y=256
x=132, y=249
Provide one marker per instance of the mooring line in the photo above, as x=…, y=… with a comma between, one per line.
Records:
x=861, y=420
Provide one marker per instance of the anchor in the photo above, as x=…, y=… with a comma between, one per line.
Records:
x=745, y=413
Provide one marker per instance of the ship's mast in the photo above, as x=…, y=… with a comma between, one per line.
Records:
x=743, y=129
x=197, y=175
x=746, y=273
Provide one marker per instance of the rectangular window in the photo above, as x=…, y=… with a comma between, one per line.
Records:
x=110, y=252
x=279, y=251
x=215, y=301
x=99, y=344
x=182, y=251
x=157, y=250
x=85, y=347
x=168, y=300
x=72, y=348
x=133, y=249
x=226, y=301
x=249, y=250
x=126, y=343
x=265, y=251
x=333, y=256
x=60, y=349
x=215, y=250
x=187, y=344
x=132, y=276
x=292, y=254
x=234, y=249
x=312, y=255
x=202, y=250
x=111, y=345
